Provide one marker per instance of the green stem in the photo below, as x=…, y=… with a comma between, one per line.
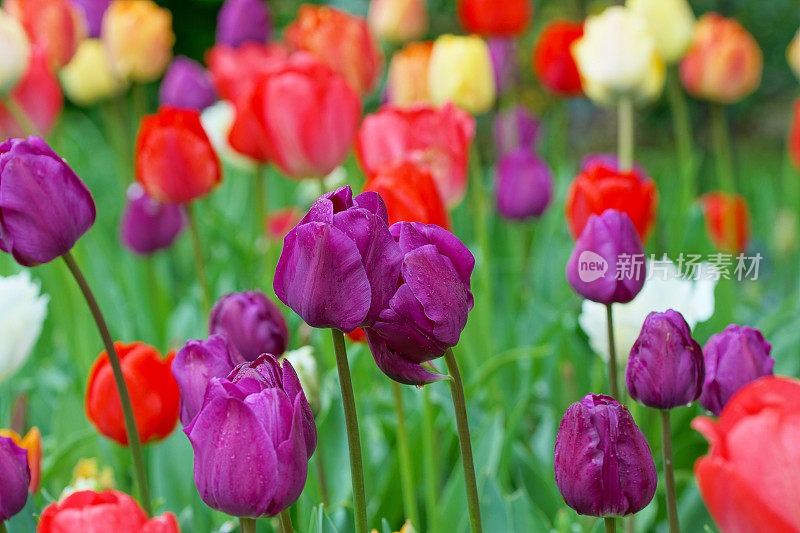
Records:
x=625, y=134
x=611, y=524
x=248, y=525
x=134, y=443
x=20, y=117
x=481, y=218
x=612, y=355
x=199, y=262
x=406, y=465
x=261, y=210
x=3, y=527
x=322, y=479
x=460, y=407
x=560, y=136
x=429, y=461
x=682, y=128
x=722, y=148
x=669, y=472
x=526, y=238
x=353, y=437
x=286, y=521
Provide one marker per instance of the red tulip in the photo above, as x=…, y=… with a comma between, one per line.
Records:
x=552, y=59
x=175, y=161
x=748, y=480
x=794, y=135
x=106, y=511
x=727, y=220
x=410, y=194
x=436, y=138
x=151, y=385
x=341, y=40
x=601, y=186
x=357, y=335
x=57, y=26
x=302, y=116
x=493, y=17
x=39, y=95
x=281, y=221
x=234, y=69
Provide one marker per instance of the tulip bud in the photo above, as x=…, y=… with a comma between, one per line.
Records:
x=16, y=476
x=793, y=54
x=665, y=369
x=603, y=463
x=724, y=61
x=672, y=24
x=489, y=17
x=461, y=72
x=305, y=364
x=407, y=82
x=44, y=206
x=251, y=322
x=505, y=62
x=524, y=185
x=54, y=26
x=138, y=36
x=90, y=77
x=252, y=440
x=187, y=85
x=148, y=225
x=93, y=10
x=16, y=52
x=516, y=128
x=553, y=62
x=727, y=221
x=38, y=94
x=32, y=444
x=339, y=266
x=618, y=59
x=607, y=264
x=241, y=21
x=398, y=20
x=22, y=312
x=733, y=358
x=88, y=510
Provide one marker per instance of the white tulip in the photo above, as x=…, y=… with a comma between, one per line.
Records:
x=15, y=51
x=22, y=313
x=671, y=22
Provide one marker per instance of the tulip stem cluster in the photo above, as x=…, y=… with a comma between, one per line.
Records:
x=625, y=134
x=460, y=407
x=613, y=387
x=199, y=262
x=669, y=473
x=611, y=524
x=248, y=525
x=353, y=437
x=406, y=468
x=125, y=400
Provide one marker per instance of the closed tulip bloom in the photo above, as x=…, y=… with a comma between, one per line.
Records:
x=32, y=444
x=340, y=40
x=524, y=185
x=665, y=369
x=407, y=82
x=617, y=58
x=138, y=36
x=16, y=477
x=505, y=62
x=90, y=77
x=733, y=358
x=429, y=308
x=108, y=510
x=601, y=186
x=44, y=206
x=436, y=138
x=748, y=479
x=241, y=21
x=303, y=117
x=38, y=94
x=251, y=322
x=148, y=225
x=672, y=23
x=233, y=70
x=16, y=52
x=153, y=390
x=56, y=26
x=607, y=264
x=252, y=440
x=187, y=84
x=195, y=364
x=398, y=20
x=93, y=10
x=603, y=463
x=488, y=17
x=22, y=312
x=339, y=266
x=516, y=128
x=175, y=161
x=553, y=62
x=410, y=194
x=723, y=63
x=727, y=220
x=461, y=72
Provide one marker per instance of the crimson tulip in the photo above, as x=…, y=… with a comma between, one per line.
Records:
x=233, y=69
x=552, y=59
x=152, y=387
x=490, y=17
x=39, y=95
x=727, y=220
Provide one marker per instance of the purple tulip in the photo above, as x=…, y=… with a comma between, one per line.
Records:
x=505, y=62
x=524, y=185
x=187, y=85
x=44, y=206
x=665, y=369
x=240, y=21
x=195, y=365
x=516, y=128
x=603, y=464
x=15, y=475
x=94, y=11
x=252, y=440
x=733, y=359
x=147, y=224
x=251, y=322
x=607, y=264
x=339, y=266
x=429, y=309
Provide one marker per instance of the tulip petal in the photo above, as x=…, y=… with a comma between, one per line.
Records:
x=16, y=477
x=396, y=366
x=291, y=384
x=292, y=463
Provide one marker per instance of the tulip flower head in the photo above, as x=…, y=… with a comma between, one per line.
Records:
x=16, y=476
x=603, y=463
x=251, y=322
x=793, y=54
x=524, y=185
x=16, y=52
x=242, y=21
x=93, y=11
x=54, y=26
x=22, y=312
x=149, y=225
x=727, y=221
x=407, y=81
x=234, y=69
x=187, y=85
x=461, y=72
x=553, y=61
x=90, y=77
x=398, y=20
x=32, y=444
x=488, y=17
x=672, y=23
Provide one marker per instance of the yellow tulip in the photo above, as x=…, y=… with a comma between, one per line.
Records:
x=460, y=71
x=139, y=38
x=90, y=77
x=16, y=52
x=398, y=20
x=671, y=23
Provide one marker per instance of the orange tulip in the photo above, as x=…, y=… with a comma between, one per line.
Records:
x=58, y=26
x=32, y=442
x=727, y=220
x=407, y=83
